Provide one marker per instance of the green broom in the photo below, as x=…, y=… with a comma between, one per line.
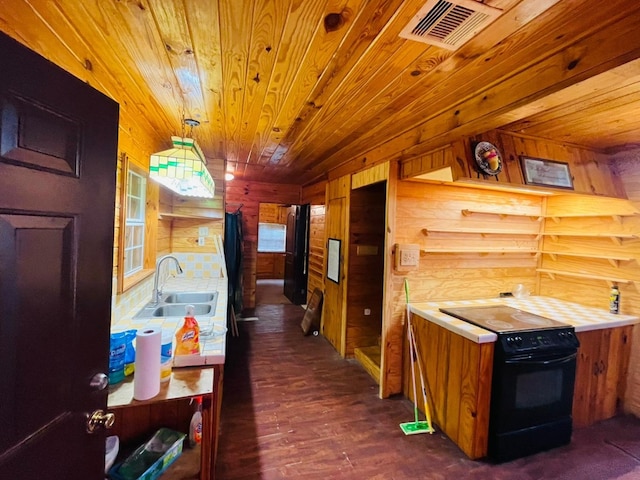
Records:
x=415, y=427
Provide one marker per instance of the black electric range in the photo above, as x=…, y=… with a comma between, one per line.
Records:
x=518, y=331
x=533, y=378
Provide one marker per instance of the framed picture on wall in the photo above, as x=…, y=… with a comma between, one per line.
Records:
x=546, y=173
x=333, y=260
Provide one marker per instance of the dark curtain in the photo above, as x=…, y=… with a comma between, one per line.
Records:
x=233, y=258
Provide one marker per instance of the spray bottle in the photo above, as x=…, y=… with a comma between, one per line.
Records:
x=614, y=300
x=188, y=336
x=195, y=427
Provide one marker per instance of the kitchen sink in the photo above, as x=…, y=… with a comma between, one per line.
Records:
x=189, y=297
x=174, y=304
x=179, y=310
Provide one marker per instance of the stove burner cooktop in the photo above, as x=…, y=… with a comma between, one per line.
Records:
x=503, y=319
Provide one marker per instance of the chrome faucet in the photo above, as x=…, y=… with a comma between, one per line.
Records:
x=157, y=292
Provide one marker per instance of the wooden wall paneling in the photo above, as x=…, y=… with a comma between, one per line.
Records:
x=317, y=240
x=336, y=221
x=207, y=213
x=391, y=360
x=590, y=169
x=459, y=263
x=437, y=159
x=250, y=195
x=580, y=237
x=601, y=372
x=151, y=223
x=458, y=375
x=268, y=213
x=269, y=266
x=378, y=173
x=314, y=194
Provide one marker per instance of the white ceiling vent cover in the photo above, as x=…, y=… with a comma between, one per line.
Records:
x=449, y=24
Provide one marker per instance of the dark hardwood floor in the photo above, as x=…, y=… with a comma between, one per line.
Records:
x=294, y=409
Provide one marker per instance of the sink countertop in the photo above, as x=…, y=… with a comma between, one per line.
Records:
x=581, y=317
x=212, y=351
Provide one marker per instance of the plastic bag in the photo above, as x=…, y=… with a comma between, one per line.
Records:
x=121, y=352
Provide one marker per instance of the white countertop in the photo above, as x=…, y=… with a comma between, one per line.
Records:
x=581, y=317
x=213, y=350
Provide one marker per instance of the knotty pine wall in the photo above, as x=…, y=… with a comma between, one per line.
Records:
x=317, y=242
x=315, y=195
x=250, y=195
x=590, y=169
x=333, y=325
x=627, y=167
x=177, y=234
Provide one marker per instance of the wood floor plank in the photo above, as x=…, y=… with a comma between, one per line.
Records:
x=294, y=409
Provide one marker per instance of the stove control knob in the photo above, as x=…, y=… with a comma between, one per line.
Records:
x=518, y=340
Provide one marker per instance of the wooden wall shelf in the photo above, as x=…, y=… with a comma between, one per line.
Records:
x=610, y=280
x=615, y=238
x=468, y=212
x=484, y=231
x=613, y=259
x=188, y=217
x=480, y=250
x=616, y=217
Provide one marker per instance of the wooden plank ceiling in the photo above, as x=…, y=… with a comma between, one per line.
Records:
x=287, y=90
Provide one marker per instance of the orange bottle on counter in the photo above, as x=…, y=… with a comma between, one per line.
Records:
x=188, y=336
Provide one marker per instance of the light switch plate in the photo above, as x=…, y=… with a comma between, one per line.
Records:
x=407, y=257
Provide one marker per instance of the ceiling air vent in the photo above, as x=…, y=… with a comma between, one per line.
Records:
x=449, y=24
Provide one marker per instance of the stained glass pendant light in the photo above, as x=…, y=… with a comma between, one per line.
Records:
x=183, y=168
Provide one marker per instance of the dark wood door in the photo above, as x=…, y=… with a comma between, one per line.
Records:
x=58, y=148
x=296, y=254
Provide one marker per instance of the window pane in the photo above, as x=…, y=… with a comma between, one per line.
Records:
x=271, y=237
x=134, y=225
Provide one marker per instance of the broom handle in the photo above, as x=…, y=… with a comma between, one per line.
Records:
x=411, y=352
x=427, y=412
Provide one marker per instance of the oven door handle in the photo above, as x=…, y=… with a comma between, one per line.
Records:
x=553, y=361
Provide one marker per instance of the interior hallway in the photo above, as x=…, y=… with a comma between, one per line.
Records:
x=294, y=409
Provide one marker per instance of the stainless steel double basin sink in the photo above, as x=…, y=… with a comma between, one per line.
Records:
x=174, y=304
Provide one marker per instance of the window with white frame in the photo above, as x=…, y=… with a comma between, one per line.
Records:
x=134, y=224
x=271, y=237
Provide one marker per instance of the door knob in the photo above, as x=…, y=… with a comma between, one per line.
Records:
x=99, y=381
x=99, y=419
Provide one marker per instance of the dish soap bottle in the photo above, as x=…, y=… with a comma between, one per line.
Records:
x=188, y=336
x=195, y=428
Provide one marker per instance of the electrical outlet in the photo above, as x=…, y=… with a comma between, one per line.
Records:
x=367, y=311
x=203, y=231
x=201, y=241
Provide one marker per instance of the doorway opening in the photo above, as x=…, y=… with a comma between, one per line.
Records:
x=367, y=220
x=272, y=232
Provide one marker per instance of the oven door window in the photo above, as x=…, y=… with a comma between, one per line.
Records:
x=528, y=392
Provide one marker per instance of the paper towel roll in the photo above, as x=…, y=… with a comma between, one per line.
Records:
x=146, y=380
